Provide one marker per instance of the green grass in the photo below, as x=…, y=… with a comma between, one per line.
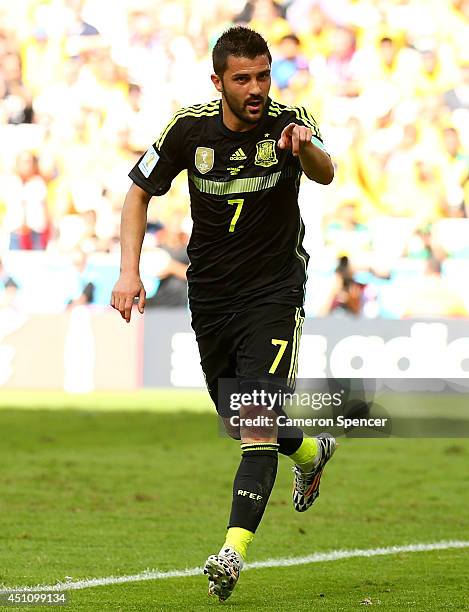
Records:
x=104, y=491
x=434, y=581
x=146, y=400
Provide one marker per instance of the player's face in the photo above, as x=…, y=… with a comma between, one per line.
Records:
x=244, y=86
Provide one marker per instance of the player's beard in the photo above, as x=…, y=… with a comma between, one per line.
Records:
x=240, y=111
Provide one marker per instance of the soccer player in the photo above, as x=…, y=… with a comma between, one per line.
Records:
x=244, y=155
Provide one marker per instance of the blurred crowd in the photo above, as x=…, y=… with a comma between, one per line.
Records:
x=87, y=85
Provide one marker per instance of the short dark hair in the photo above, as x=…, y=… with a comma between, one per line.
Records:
x=238, y=41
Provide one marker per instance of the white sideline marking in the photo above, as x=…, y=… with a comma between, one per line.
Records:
x=333, y=555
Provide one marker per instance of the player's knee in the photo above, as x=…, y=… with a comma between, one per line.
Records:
x=258, y=423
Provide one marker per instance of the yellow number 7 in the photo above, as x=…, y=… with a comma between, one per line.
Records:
x=239, y=206
x=283, y=345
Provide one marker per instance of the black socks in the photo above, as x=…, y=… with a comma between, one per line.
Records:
x=253, y=484
x=290, y=437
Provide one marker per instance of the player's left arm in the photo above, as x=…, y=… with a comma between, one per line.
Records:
x=304, y=144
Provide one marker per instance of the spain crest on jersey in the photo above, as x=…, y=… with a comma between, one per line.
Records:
x=204, y=158
x=265, y=153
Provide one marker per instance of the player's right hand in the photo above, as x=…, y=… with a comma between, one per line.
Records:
x=127, y=288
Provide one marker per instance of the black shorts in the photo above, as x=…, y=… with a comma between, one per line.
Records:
x=258, y=344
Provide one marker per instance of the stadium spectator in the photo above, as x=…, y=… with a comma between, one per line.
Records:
x=388, y=52
x=267, y=15
x=144, y=47
x=437, y=72
x=82, y=288
x=433, y=296
x=313, y=27
x=344, y=230
x=25, y=194
x=387, y=61
x=16, y=98
x=172, y=288
x=455, y=172
x=340, y=66
x=289, y=61
x=346, y=294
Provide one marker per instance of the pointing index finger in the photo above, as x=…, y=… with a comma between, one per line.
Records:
x=289, y=129
x=285, y=137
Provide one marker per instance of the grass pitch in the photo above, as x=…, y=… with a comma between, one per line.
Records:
x=90, y=489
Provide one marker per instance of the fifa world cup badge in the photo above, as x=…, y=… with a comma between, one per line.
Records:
x=265, y=153
x=204, y=158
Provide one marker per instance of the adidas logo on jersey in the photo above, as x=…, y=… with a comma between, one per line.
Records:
x=238, y=155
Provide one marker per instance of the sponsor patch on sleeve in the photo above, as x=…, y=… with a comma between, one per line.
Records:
x=148, y=162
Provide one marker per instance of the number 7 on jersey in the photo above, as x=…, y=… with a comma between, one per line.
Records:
x=239, y=205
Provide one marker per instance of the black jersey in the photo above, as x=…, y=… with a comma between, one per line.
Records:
x=246, y=242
